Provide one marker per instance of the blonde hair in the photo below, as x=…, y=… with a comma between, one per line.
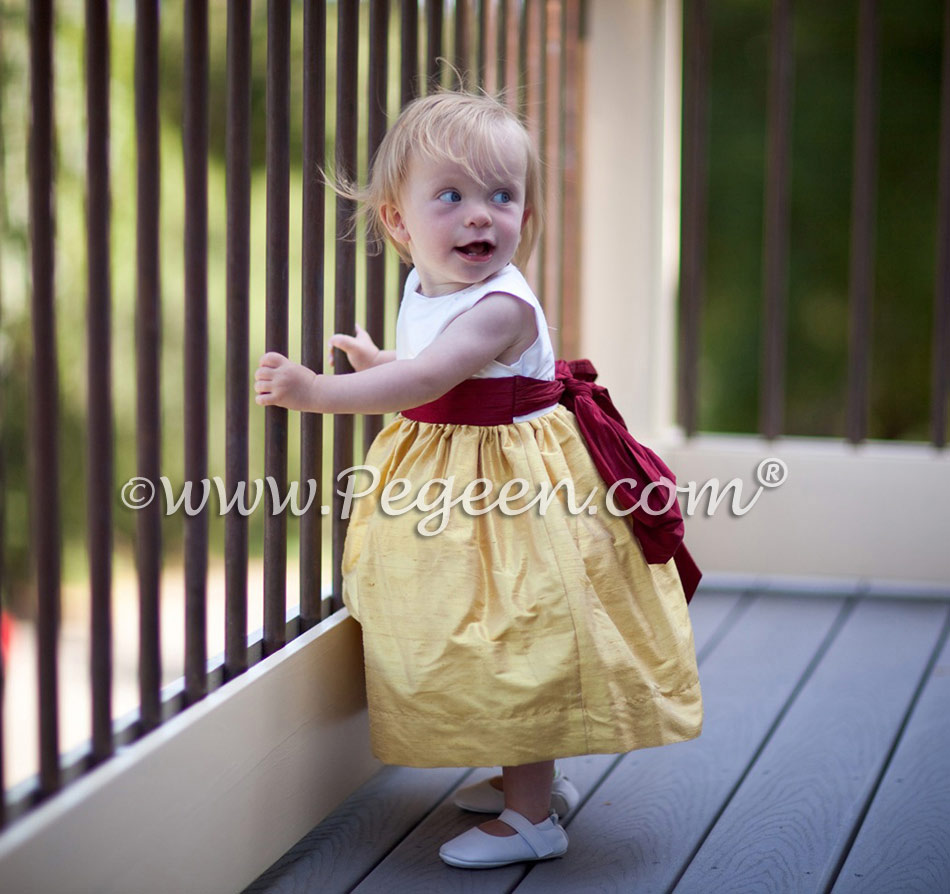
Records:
x=447, y=125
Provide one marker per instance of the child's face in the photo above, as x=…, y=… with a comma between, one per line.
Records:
x=457, y=230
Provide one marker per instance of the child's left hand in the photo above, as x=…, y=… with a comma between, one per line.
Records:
x=281, y=382
x=360, y=349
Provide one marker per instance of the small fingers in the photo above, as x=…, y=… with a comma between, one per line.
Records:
x=267, y=392
x=264, y=383
x=266, y=378
x=272, y=360
x=341, y=341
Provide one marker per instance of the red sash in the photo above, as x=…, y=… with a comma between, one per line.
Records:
x=617, y=455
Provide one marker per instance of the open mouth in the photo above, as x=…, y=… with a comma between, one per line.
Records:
x=476, y=250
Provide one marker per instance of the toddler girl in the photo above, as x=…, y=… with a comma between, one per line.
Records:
x=519, y=623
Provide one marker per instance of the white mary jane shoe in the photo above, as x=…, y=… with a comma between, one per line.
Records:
x=483, y=797
x=476, y=849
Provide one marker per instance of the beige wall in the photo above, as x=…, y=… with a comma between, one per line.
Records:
x=630, y=216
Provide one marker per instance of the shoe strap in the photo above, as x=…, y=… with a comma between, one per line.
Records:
x=526, y=829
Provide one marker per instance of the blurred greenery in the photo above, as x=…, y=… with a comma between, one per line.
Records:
x=825, y=37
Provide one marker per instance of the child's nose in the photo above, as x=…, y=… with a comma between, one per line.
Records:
x=478, y=215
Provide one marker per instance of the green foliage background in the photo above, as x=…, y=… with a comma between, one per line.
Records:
x=825, y=36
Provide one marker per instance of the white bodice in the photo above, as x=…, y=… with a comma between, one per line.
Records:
x=421, y=319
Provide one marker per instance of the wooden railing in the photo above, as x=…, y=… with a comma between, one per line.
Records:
x=527, y=49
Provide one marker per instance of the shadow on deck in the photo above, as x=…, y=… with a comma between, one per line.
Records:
x=824, y=765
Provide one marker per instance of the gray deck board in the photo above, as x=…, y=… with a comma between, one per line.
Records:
x=336, y=854
x=787, y=825
x=653, y=811
x=826, y=728
x=713, y=617
x=904, y=842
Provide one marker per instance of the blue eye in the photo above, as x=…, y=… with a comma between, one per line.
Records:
x=502, y=196
x=450, y=195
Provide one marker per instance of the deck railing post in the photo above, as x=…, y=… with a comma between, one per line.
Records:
x=433, y=11
x=347, y=49
x=238, y=163
x=45, y=402
x=148, y=353
x=99, y=342
x=778, y=165
x=3, y=495
x=195, y=151
x=694, y=201
x=277, y=335
x=552, y=254
x=376, y=129
x=941, y=358
x=863, y=207
x=312, y=300
x=463, y=57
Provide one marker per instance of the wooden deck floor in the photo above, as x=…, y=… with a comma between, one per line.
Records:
x=824, y=765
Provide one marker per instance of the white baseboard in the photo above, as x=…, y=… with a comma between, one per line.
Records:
x=876, y=512
x=801, y=585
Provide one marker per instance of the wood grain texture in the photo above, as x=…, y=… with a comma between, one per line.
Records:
x=338, y=852
x=711, y=615
x=789, y=822
x=650, y=815
x=904, y=842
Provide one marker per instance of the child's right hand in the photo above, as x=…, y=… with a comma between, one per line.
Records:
x=280, y=382
x=360, y=349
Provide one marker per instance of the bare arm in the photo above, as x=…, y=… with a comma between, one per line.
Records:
x=468, y=343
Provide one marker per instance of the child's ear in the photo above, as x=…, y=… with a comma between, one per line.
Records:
x=525, y=217
x=395, y=223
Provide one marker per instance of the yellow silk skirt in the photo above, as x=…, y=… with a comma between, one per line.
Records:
x=504, y=630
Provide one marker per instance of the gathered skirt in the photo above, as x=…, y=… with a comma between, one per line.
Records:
x=510, y=627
